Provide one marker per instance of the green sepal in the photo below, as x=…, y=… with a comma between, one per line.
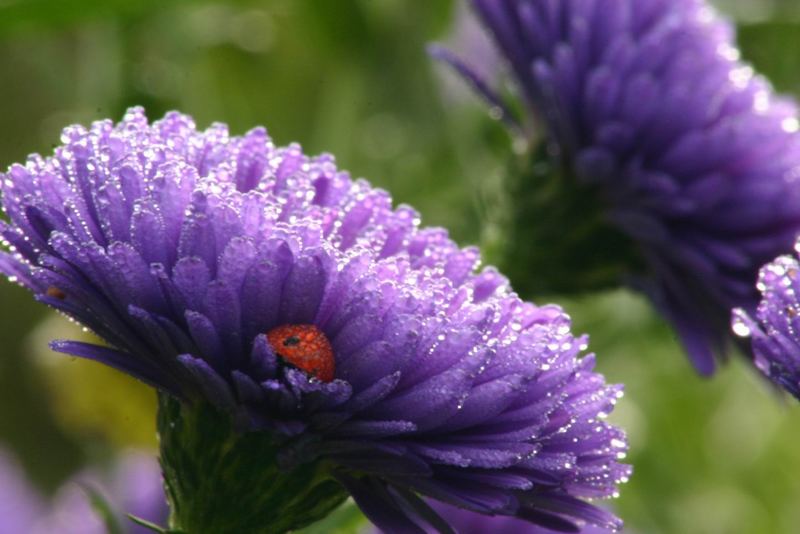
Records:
x=551, y=234
x=220, y=480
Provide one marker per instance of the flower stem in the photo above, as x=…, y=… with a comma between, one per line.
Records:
x=221, y=480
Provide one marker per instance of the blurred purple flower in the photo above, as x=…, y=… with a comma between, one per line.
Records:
x=676, y=142
x=183, y=249
x=20, y=504
x=133, y=487
x=774, y=329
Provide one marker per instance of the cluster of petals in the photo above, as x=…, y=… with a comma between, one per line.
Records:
x=691, y=154
x=183, y=248
x=774, y=328
x=466, y=522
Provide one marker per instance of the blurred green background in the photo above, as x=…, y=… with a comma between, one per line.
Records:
x=351, y=77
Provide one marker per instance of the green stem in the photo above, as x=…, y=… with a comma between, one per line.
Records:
x=220, y=480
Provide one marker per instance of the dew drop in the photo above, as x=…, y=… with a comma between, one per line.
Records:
x=790, y=125
x=739, y=324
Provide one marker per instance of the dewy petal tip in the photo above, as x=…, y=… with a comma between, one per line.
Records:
x=773, y=328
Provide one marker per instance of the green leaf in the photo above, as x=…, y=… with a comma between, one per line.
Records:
x=150, y=525
x=103, y=508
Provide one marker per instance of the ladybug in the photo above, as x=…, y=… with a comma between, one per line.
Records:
x=305, y=347
x=55, y=293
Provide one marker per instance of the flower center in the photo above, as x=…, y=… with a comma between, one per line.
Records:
x=305, y=347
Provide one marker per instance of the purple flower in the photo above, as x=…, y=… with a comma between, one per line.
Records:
x=20, y=504
x=677, y=145
x=774, y=328
x=185, y=249
x=133, y=487
x=466, y=522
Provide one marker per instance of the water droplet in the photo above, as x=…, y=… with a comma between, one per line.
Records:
x=790, y=124
x=740, y=324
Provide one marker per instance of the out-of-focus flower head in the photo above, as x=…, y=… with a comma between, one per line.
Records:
x=774, y=328
x=20, y=504
x=269, y=284
x=134, y=486
x=668, y=162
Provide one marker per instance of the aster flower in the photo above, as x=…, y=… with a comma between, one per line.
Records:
x=20, y=504
x=133, y=487
x=773, y=329
x=669, y=164
x=343, y=348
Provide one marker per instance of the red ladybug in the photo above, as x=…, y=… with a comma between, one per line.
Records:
x=305, y=347
x=55, y=293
